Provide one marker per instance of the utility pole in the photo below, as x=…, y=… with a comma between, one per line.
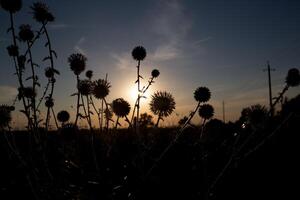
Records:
x=270, y=86
x=223, y=111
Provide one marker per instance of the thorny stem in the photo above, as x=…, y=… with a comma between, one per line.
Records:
x=117, y=123
x=52, y=67
x=138, y=99
x=279, y=97
x=34, y=82
x=190, y=118
x=158, y=119
x=88, y=110
x=34, y=39
x=54, y=116
x=86, y=114
x=19, y=71
x=143, y=92
x=44, y=94
x=78, y=100
x=97, y=112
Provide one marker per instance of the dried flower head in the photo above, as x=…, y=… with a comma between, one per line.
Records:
x=25, y=33
x=162, y=104
x=27, y=92
x=120, y=107
x=155, y=73
x=139, y=53
x=202, y=94
x=12, y=6
x=206, y=111
x=49, y=103
x=13, y=50
x=63, y=116
x=85, y=87
x=41, y=13
x=89, y=74
x=293, y=77
x=77, y=62
x=49, y=73
x=5, y=115
x=101, y=88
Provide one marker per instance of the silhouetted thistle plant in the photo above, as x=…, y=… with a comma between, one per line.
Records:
x=11, y=6
x=162, y=104
x=26, y=35
x=101, y=88
x=63, y=117
x=42, y=15
x=77, y=64
x=138, y=53
x=121, y=108
x=89, y=74
x=292, y=80
x=154, y=74
x=201, y=95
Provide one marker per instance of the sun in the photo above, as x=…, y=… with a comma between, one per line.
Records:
x=133, y=93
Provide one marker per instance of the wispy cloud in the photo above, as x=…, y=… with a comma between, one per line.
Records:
x=78, y=45
x=10, y=93
x=123, y=60
x=169, y=24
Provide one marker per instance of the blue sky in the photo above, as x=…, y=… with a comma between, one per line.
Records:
x=223, y=45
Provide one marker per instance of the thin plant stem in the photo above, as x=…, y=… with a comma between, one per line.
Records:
x=19, y=71
x=44, y=94
x=52, y=67
x=34, y=81
x=54, y=116
x=78, y=101
x=190, y=118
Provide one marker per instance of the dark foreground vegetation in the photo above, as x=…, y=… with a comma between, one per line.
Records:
x=254, y=162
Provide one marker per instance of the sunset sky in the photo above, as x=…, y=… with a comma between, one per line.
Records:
x=223, y=45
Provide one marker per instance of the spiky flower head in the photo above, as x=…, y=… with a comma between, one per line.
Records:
x=49, y=103
x=25, y=33
x=162, y=103
x=5, y=115
x=77, y=62
x=12, y=6
x=63, y=116
x=202, y=94
x=13, y=50
x=120, y=107
x=41, y=13
x=139, y=53
x=206, y=111
x=155, y=73
x=27, y=92
x=85, y=87
x=293, y=77
x=49, y=73
x=89, y=74
x=101, y=88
